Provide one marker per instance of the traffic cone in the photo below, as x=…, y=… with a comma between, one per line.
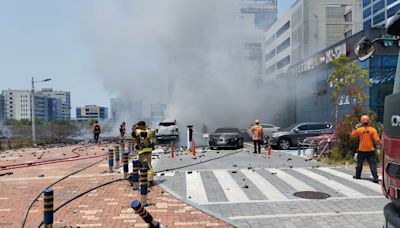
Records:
x=269, y=150
x=193, y=150
x=172, y=150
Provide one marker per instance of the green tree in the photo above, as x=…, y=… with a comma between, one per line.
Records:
x=348, y=80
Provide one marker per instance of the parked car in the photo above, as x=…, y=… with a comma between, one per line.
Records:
x=268, y=129
x=297, y=133
x=167, y=130
x=226, y=138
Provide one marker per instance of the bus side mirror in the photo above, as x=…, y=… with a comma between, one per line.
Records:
x=364, y=50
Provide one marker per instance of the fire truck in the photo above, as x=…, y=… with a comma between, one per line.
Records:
x=390, y=151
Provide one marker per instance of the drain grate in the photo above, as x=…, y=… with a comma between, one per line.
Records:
x=312, y=195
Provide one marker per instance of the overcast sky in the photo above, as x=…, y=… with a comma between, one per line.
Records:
x=43, y=39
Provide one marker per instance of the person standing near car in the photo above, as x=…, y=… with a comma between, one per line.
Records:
x=258, y=136
x=368, y=139
x=96, y=131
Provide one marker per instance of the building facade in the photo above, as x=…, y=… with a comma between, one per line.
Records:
x=65, y=100
x=307, y=27
x=17, y=104
x=2, y=107
x=256, y=16
x=312, y=92
x=91, y=112
x=378, y=12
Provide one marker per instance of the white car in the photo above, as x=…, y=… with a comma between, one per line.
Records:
x=167, y=130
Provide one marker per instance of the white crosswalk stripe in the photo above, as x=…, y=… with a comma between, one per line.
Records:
x=231, y=189
x=297, y=184
x=195, y=188
x=264, y=186
x=364, y=183
x=330, y=183
x=269, y=188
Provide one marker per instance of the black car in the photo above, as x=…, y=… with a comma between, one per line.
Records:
x=297, y=133
x=226, y=138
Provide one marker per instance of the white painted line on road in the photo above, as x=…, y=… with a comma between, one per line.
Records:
x=232, y=190
x=306, y=215
x=330, y=183
x=264, y=186
x=195, y=188
x=364, y=183
x=292, y=200
x=290, y=180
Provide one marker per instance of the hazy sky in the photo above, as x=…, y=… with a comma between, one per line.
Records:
x=44, y=38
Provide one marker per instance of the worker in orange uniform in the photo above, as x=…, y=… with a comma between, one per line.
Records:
x=368, y=139
x=258, y=136
x=96, y=131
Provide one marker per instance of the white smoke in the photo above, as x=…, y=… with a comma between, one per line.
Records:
x=5, y=131
x=186, y=53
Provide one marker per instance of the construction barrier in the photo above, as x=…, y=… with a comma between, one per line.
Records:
x=117, y=156
x=135, y=174
x=110, y=160
x=142, y=212
x=143, y=185
x=125, y=162
x=48, y=213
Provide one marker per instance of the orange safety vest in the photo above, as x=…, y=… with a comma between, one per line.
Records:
x=368, y=137
x=257, y=132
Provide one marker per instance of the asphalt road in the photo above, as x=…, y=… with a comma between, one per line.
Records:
x=251, y=190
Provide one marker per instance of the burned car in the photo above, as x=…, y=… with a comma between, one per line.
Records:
x=167, y=130
x=226, y=138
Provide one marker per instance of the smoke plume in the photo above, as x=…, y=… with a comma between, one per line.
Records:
x=188, y=54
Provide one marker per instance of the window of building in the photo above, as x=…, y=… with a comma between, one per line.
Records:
x=283, y=29
x=366, y=2
x=270, y=55
x=367, y=12
x=379, y=18
x=283, y=62
x=392, y=11
x=367, y=24
x=378, y=6
x=270, y=69
x=348, y=17
x=388, y=2
x=270, y=40
x=348, y=33
x=283, y=46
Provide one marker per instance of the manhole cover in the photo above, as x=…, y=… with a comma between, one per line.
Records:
x=311, y=195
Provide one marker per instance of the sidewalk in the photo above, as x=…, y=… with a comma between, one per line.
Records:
x=108, y=206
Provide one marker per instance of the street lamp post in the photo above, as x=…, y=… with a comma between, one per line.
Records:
x=33, y=109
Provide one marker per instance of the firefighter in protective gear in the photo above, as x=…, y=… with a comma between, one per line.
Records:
x=122, y=132
x=144, y=147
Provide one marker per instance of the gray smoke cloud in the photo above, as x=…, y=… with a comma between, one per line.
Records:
x=188, y=54
x=4, y=131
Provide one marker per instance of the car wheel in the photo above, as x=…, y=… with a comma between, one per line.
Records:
x=284, y=144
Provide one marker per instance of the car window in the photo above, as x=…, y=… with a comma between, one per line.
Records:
x=266, y=126
x=319, y=126
x=303, y=127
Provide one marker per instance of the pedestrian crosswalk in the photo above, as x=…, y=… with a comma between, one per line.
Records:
x=271, y=184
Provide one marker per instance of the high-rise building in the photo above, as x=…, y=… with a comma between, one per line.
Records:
x=91, y=112
x=18, y=105
x=307, y=27
x=2, y=107
x=257, y=16
x=379, y=12
x=65, y=98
